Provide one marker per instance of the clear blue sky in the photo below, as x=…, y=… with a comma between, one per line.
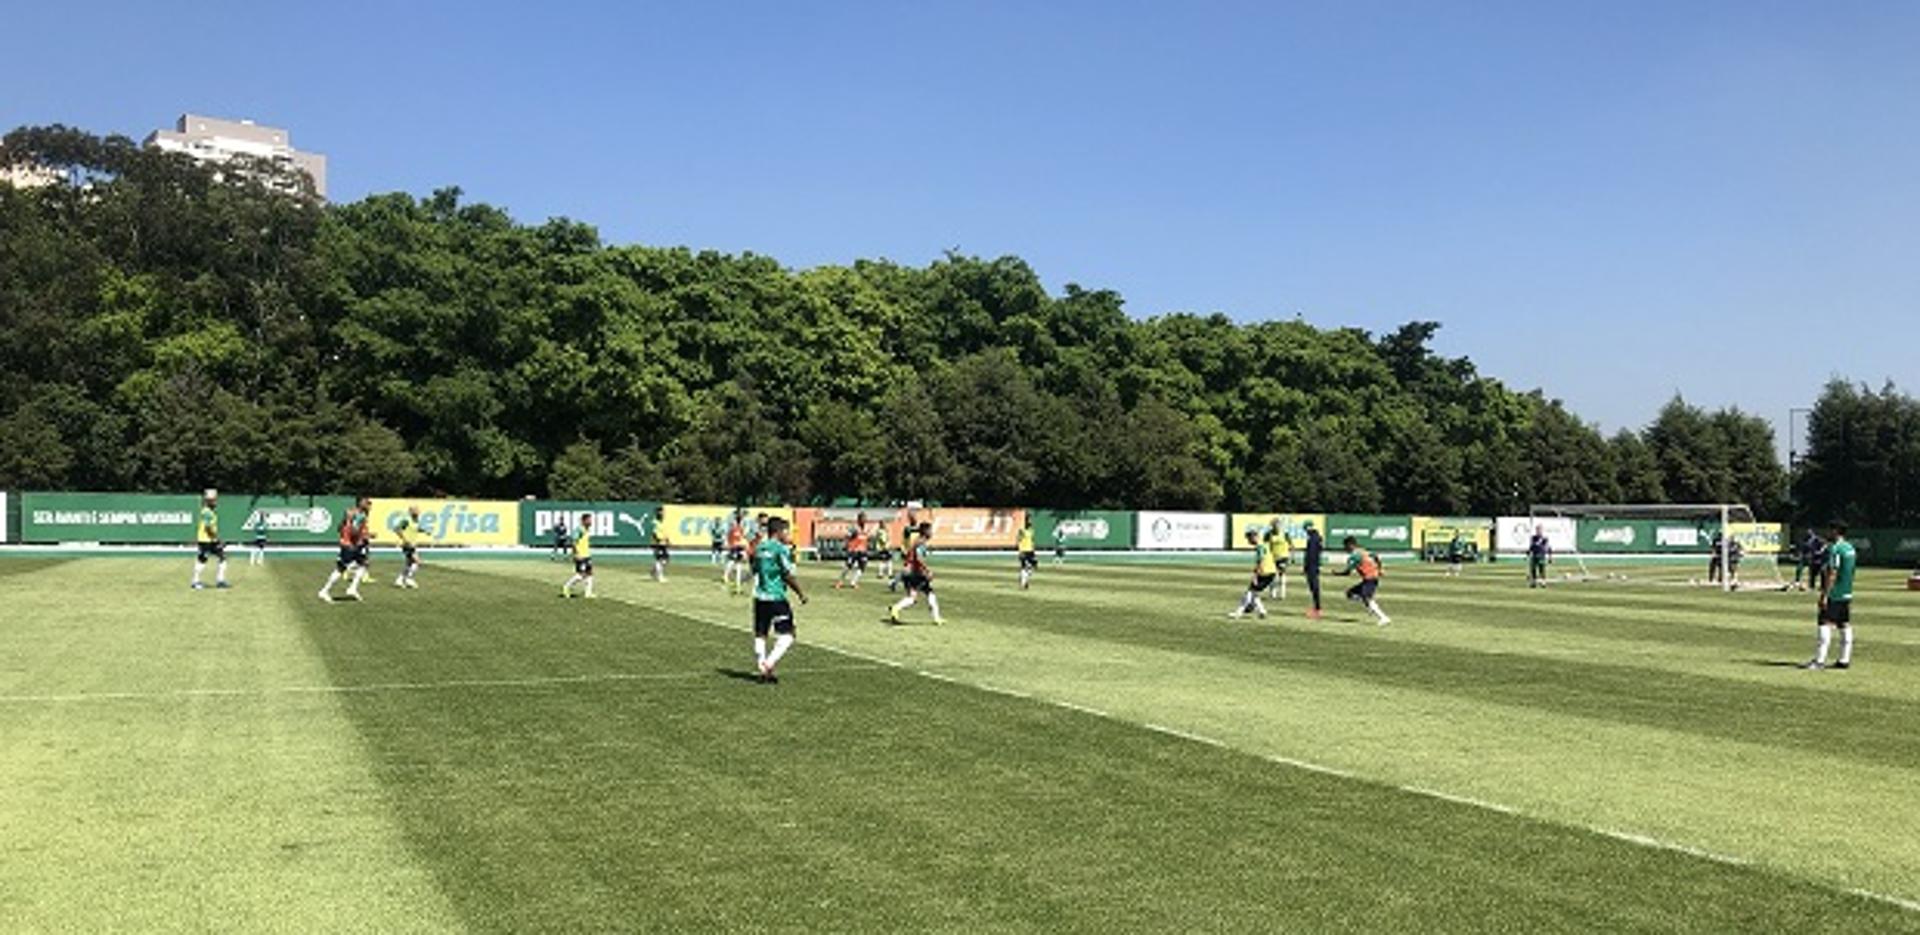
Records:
x=1611, y=200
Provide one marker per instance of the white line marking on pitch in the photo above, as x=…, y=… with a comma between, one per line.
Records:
x=1907, y=904
x=534, y=682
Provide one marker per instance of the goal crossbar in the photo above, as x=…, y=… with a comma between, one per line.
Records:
x=1723, y=518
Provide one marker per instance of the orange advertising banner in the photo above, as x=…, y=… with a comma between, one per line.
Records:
x=974, y=527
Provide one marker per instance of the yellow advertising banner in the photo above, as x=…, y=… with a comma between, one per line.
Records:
x=1293, y=524
x=1758, y=538
x=687, y=525
x=450, y=522
x=1440, y=530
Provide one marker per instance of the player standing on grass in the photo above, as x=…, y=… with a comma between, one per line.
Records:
x=1456, y=553
x=1836, y=601
x=1310, y=566
x=582, y=558
x=1280, y=546
x=1059, y=543
x=258, y=554
x=717, y=530
x=409, y=533
x=735, y=571
x=856, y=558
x=1368, y=565
x=1813, y=561
x=662, y=545
x=1264, y=570
x=206, y=535
x=1539, y=555
x=772, y=579
x=1028, y=560
x=918, y=578
x=355, y=541
x=1715, y=568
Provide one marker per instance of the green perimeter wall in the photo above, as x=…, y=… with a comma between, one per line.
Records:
x=169, y=518
x=1376, y=532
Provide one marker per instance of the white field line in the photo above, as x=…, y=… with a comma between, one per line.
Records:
x=452, y=684
x=1640, y=840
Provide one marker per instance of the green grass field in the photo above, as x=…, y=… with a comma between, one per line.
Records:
x=1104, y=752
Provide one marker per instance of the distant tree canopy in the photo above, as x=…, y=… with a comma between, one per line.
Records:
x=164, y=328
x=1862, y=464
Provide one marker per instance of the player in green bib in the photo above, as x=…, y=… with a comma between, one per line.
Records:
x=206, y=534
x=1836, y=601
x=772, y=579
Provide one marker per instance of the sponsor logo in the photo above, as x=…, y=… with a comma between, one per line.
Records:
x=1162, y=529
x=1083, y=528
x=1392, y=533
x=456, y=521
x=1617, y=535
x=114, y=517
x=1682, y=536
x=315, y=520
x=1907, y=545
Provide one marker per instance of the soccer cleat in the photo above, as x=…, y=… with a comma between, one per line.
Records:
x=197, y=586
x=1813, y=665
x=1383, y=621
x=1235, y=615
x=326, y=597
x=939, y=620
x=355, y=595
x=1843, y=665
x=1261, y=614
x=222, y=586
x=591, y=597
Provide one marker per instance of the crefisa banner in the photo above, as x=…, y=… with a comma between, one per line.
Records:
x=1163, y=530
x=451, y=522
x=1514, y=532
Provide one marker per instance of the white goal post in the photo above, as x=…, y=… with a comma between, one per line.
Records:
x=1659, y=541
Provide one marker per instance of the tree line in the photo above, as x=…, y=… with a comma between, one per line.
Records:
x=167, y=327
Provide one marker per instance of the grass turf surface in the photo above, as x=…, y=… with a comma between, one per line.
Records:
x=481, y=755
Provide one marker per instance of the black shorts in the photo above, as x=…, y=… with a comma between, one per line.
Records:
x=1365, y=589
x=1029, y=560
x=1837, y=612
x=772, y=615
x=1454, y=559
x=583, y=566
x=1262, y=582
x=259, y=542
x=363, y=554
x=411, y=554
x=915, y=581
x=349, y=556
x=216, y=549
x=661, y=553
x=857, y=560
x=736, y=554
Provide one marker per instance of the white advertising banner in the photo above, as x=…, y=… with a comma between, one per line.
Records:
x=1516, y=531
x=1180, y=531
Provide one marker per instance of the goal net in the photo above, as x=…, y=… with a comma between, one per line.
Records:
x=1716, y=545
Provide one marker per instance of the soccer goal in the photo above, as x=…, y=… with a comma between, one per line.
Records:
x=1718, y=545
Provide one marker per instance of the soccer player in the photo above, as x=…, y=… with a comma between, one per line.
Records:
x=1714, y=568
x=1310, y=566
x=1735, y=552
x=772, y=579
x=662, y=545
x=1280, y=546
x=918, y=578
x=1368, y=565
x=906, y=554
x=1059, y=543
x=1836, y=601
x=717, y=530
x=582, y=558
x=409, y=534
x=735, y=572
x=206, y=534
x=1813, y=561
x=354, y=545
x=1264, y=570
x=1539, y=555
x=1028, y=561
x=258, y=554
x=560, y=541
x=878, y=546
x=1456, y=553
x=856, y=563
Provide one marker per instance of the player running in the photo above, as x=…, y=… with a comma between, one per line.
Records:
x=662, y=545
x=856, y=561
x=1836, y=601
x=582, y=558
x=735, y=572
x=355, y=543
x=1539, y=556
x=206, y=535
x=917, y=578
x=408, y=532
x=1278, y=544
x=1368, y=565
x=1310, y=567
x=772, y=579
x=906, y=554
x=1456, y=553
x=1029, y=562
x=1264, y=571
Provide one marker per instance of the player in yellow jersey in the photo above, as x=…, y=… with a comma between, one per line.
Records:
x=206, y=535
x=1281, y=545
x=1028, y=560
x=409, y=533
x=582, y=557
x=1263, y=572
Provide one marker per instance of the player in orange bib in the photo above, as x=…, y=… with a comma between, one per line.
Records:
x=856, y=556
x=1367, y=565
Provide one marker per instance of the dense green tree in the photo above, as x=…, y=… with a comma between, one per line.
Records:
x=1863, y=458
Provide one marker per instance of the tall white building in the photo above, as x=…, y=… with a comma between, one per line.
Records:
x=211, y=139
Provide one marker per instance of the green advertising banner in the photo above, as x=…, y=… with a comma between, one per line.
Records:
x=1886, y=546
x=1617, y=535
x=622, y=523
x=107, y=517
x=291, y=520
x=1377, y=533
x=1083, y=529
